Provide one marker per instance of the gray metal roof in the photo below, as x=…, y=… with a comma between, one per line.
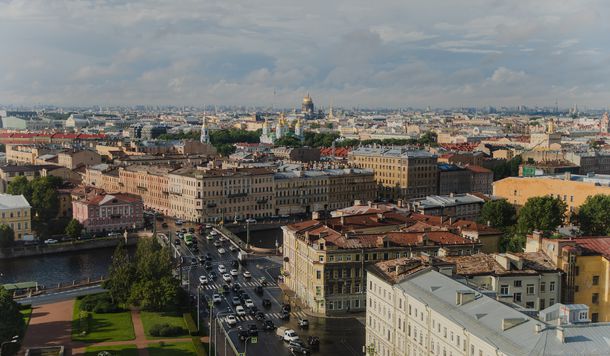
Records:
x=393, y=152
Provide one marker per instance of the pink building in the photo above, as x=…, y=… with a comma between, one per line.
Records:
x=109, y=212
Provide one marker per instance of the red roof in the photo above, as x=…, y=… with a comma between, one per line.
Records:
x=595, y=245
x=339, y=151
x=464, y=147
x=477, y=169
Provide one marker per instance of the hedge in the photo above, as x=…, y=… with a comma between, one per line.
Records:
x=190, y=324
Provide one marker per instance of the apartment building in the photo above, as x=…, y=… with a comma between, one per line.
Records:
x=453, y=179
x=590, y=161
x=73, y=159
x=149, y=182
x=25, y=154
x=15, y=212
x=585, y=263
x=572, y=189
x=103, y=176
x=456, y=206
x=481, y=179
x=101, y=213
x=413, y=309
x=400, y=173
x=324, y=261
x=9, y=173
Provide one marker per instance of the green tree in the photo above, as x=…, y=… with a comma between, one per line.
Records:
x=225, y=149
x=499, y=213
x=288, y=141
x=20, y=186
x=594, y=215
x=7, y=236
x=540, y=213
x=120, y=275
x=12, y=321
x=74, y=228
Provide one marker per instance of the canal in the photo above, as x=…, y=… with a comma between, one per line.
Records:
x=263, y=238
x=51, y=269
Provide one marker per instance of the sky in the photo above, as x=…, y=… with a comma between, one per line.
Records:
x=351, y=53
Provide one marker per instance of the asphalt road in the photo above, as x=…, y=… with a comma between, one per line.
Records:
x=338, y=337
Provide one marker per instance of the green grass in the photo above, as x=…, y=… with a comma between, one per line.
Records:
x=172, y=318
x=118, y=350
x=102, y=327
x=170, y=349
x=27, y=315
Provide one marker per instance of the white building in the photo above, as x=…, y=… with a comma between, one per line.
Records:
x=420, y=311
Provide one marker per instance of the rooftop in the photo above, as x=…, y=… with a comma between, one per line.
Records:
x=8, y=201
x=391, y=152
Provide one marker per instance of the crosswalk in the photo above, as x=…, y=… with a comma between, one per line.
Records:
x=272, y=316
x=215, y=285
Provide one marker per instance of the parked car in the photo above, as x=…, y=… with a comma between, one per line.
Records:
x=240, y=311
x=236, y=301
x=267, y=303
x=208, y=256
x=222, y=251
x=179, y=222
x=164, y=225
x=222, y=268
x=232, y=248
x=209, y=237
x=50, y=241
x=298, y=348
x=248, y=303
x=177, y=242
x=192, y=230
x=231, y=320
x=285, y=315
x=251, y=221
x=208, y=226
x=217, y=244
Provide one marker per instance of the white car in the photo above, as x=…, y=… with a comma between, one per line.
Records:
x=251, y=221
x=290, y=335
x=50, y=241
x=216, y=298
x=208, y=226
x=179, y=222
x=247, y=274
x=203, y=279
x=234, y=272
x=217, y=244
x=222, y=239
x=213, y=233
x=222, y=251
x=240, y=311
x=249, y=303
x=222, y=268
x=231, y=320
x=232, y=248
x=227, y=277
x=209, y=237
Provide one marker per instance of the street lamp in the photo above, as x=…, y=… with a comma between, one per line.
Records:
x=253, y=339
x=13, y=340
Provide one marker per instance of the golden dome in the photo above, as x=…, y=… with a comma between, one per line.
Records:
x=307, y=99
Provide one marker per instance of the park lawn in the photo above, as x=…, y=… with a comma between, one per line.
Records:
x=27, y=315
x=172, y=349
x=103, y=327
x=117, y=350
x=172, y=318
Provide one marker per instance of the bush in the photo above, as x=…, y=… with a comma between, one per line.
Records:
x=98, y=303
x=190, y=324
x=166, y=330
x=103, y=307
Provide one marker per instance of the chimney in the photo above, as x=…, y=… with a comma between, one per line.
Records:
x=357, y=202
x=369, y=203
x=464, y=296
x=315, y=215
x=567, y=176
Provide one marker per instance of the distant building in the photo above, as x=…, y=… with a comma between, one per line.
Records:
x=109, y=212
x=453, y=179
x=73, y=159
x=150, y=132
x=9, y=173
x=297, y=154
x=456, y=206
x=481, y=179
x=307, y=107
x=15, y=212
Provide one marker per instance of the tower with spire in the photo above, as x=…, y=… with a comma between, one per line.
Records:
x=205, y=134
x=280, y=128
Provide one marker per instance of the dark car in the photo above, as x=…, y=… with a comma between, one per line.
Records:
x=313, y=342
x=298, y=348
x=285, y=315
x=258, y=290
x=244, y=296
x=207, y=265
x=208, y=256
x=191, y=230
x=260, y=316
x=213, y=275
x=253, y=330
x=249, y=330
x=235, y=264
x=286, y=307
x=177, y=242
x=266, y=303
x=268, y=325
x=201, y=260
x=236, y=288
x=253, y=310
x=303, y=323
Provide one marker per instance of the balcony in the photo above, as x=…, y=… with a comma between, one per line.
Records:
x=262, y=201
x=237, y=195
x=211, y=205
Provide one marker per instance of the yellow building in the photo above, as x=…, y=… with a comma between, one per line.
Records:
x=585, y=263
x=572, y=189
x=15, y=212
x=400, y=173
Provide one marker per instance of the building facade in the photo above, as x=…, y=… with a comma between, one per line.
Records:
x=456, y=206
x=453, y=179
x=109, y=212
x=15, y=211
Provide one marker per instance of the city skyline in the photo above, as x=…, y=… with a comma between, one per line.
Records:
x=437, y=54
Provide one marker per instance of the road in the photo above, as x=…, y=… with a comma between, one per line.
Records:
x=337, y=336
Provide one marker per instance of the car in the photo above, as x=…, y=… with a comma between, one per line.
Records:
x=222, y=268
x=207, y=265
x=179, y=222
x=213, y=233
x=208, y=226
x=208, y=256
x=258, y=290
x=164, y=225
x=247, y=274
x=192, y=230
x=249, y=303
x=231, y=320
x=313, y=342
x=287, y=307
x=222, y=239
x=236, y=301
x=238, y=219
x=50, y=241
x=222, y=251
x=285, y=315
x=240, y=311
x=227, y=277
x=284, y=216
x=201, y=260
x=262, y=281
x=203, y=280
x=290, y=335
x=251, y=221
x=184, y=231
x=236, y=288
x=177, y=242
x=303, y=323
x=216, y=298
x=234, y=272
x=213, y=275
x=244, y=296
x=297, y=348
x=252, y=330
x=268, y=325
x=209, y=237
x=253, y=310
x=260, y=316
x=232, y=248
x=217, y=244
x=267, y=303
x=235, y=264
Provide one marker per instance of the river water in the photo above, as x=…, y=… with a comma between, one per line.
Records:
x=263, y=238
x=49, y=270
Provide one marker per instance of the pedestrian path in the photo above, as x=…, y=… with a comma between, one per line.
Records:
x=215, y=285
x=277, y=316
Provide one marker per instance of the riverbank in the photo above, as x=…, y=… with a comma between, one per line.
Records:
x=64, y=247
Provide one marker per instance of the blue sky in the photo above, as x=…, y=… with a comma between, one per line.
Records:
x=383, y=53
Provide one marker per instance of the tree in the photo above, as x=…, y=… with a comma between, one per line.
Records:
x=45, y=201
x=12, y=321
x=7, y=236
x=594, y=215
x=288, y=141
x=20, y=186
x=120, y=275
x=225, y=149
x=541, y=213
x=499, y=213
x=74, y=228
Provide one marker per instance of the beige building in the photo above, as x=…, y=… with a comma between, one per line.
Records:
x=9, y=173
x=73, y=159
x=15, y=212
x=324, y=261
x=400, y=173
x=149, y=182
x=25, y=154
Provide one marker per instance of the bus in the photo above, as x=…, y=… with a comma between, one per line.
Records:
x=188, y=239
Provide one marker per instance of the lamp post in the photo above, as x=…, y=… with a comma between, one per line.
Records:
x=253, y=339
x=13, y=340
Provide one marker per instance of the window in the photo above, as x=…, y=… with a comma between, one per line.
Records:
x=318, y=274
x=595, y=298
x=529, y=305
x=321, y=258
x=530, y=289
x=594, y=317
x=542, y=304
x=504, y=289
x=595, y=280
x=542, y=287
x=552, y=286
x=517, y=297
x=551, y=301
x=516, y=283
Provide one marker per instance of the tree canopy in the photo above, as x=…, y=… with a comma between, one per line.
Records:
x=288, y=141
x=510, y=168
x=594, y=215
x=7, y=236
x=120, y=275
x=12, y=321
x=541, y=213
x=74, y=229
x=41, y=193
x=499, y=213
